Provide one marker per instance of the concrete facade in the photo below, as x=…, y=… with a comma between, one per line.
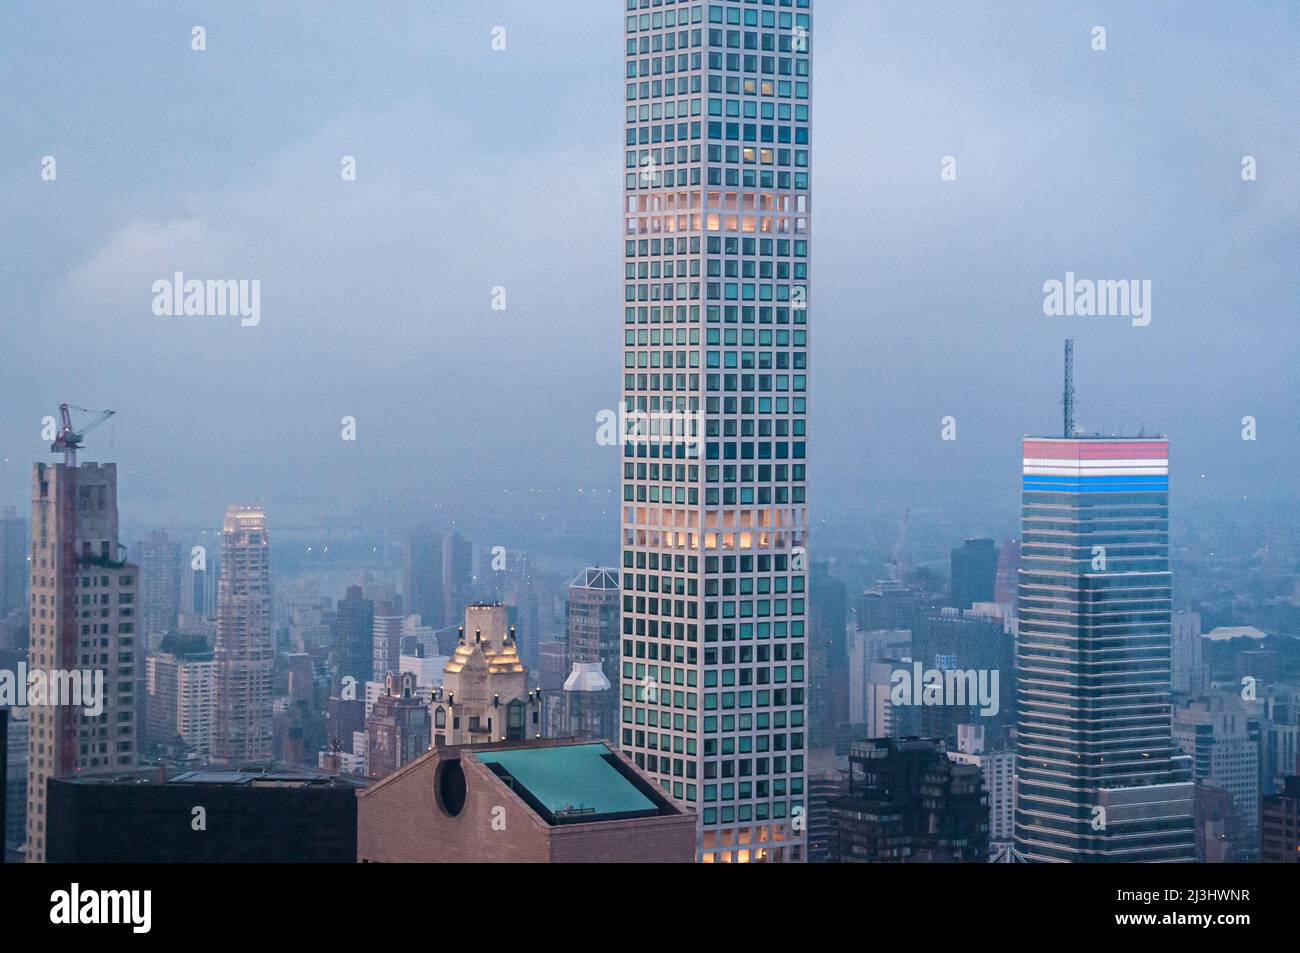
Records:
x=83, y=622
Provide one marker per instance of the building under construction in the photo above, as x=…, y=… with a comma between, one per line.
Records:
x=83, y=623
x=83, y=650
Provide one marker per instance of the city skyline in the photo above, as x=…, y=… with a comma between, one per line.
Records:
x=365, y=519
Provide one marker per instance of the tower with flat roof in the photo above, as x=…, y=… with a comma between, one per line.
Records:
x=244, y=649
x=1099, y=776
x=84, y=647
x=714, y=521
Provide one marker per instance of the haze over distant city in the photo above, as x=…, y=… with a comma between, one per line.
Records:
x=918, y=488
x=479, y=170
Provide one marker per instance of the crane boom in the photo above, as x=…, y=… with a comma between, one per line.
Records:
x=69, y=440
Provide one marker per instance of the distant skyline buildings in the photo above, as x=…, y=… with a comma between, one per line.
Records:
x=962, y=641
x=438, y=576
x=828, y=658
x=354, y=647
x=974, y=569
x=457, y=576
x=890, y=604
x=1006, y=580
x=1221, y=737
x=199, y=587
x=386, y=640
x=422, y=570
x=1188, y=665
x=582, y=712
x=14, y=543
x=159, y=558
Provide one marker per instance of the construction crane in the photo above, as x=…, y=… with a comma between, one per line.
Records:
x=68, y=440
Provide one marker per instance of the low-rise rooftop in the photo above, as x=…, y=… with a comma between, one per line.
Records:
x=570, y=782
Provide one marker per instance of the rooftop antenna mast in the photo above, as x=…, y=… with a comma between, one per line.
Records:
x=1068, y=397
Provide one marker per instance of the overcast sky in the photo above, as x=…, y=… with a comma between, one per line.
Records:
x=478, y=168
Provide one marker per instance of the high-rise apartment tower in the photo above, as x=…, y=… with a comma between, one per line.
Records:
x=717, y=224
x=244, y=650
x=84, y=635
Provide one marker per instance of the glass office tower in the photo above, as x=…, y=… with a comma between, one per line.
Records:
x=717, y=223
x=1099, y=777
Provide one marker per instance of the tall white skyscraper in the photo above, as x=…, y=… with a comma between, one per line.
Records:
x=84, y=649
x=244, y=650
x=717, y=222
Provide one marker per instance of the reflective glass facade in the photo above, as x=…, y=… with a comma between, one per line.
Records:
x=1099, y=777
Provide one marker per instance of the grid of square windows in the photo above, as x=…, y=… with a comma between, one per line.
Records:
x=716, y=249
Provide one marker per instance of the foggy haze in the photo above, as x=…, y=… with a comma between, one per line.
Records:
x=477, y=171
